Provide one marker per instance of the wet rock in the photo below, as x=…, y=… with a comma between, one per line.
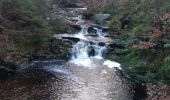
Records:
x=101, y=44
x=93, y=39
x=72, y=39
x=92, y=31
x=104, y=28
x=106, y=35
x=91, y=51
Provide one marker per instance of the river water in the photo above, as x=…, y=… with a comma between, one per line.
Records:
x=86, y=76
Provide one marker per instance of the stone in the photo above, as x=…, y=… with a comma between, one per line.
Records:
x=72, y=39
x=101, y=44
x=91, y=51
x=92, y=31
x=102, y=17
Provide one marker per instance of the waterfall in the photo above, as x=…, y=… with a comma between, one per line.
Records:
x=83, y=30
x=99, y=32
x=85, y=51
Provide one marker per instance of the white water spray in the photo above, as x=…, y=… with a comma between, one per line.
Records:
x=84, y=52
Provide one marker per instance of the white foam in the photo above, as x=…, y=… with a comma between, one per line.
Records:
x=80, y=36
x=83, y=62
x=112, y=64
x=99, y=32
x=98, y=57
x=80, y=55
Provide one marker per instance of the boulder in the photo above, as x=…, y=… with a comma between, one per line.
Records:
x=91, y=32
x=101, y=18
x=91, y=51
x=101, y=44
x=74, y=39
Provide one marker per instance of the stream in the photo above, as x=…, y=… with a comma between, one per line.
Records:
x=86, y=76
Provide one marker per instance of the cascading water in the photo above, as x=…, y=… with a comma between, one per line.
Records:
x=85, y=51
x=83, y=30
x=87, y=76
x=99, y=32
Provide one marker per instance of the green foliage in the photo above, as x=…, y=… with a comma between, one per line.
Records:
x=167, y=45
x=38, y=22
x=165, y=68
x=164, y=6
x=138, y=66
x=150, y=64
x=167, y=61
x=59, y=26
x=137, y=29
x=32, y=30
x=37, y=7
x=4, y=51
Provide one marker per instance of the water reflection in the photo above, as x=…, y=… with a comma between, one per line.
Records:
x=70, y=82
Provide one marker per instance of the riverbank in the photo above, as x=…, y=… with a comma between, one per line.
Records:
x=144, y=57
x=26, y=34
x=143, y=28
x=78, y=80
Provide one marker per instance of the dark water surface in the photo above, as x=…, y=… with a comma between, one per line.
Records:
x=55, y=80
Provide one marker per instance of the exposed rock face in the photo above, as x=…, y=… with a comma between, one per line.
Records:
x=73, y=37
